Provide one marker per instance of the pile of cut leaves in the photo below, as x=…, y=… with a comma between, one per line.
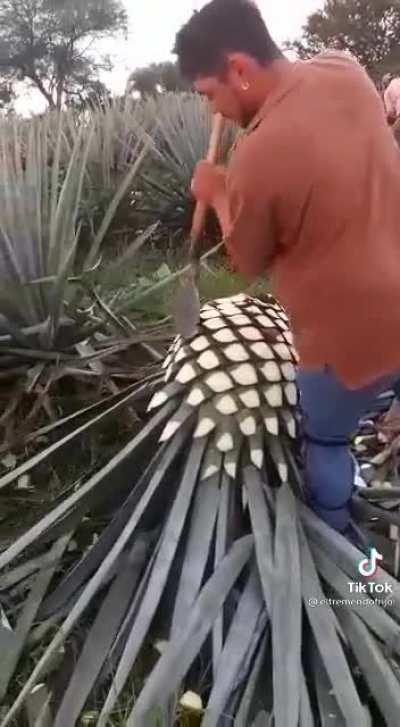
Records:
x=211, y=594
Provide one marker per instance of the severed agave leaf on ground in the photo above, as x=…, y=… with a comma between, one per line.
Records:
x=38, y=707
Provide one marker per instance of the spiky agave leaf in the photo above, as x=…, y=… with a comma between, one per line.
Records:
x=47, y=171
x=226, y=419
x=180, y=138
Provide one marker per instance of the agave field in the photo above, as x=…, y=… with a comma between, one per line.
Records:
x=159, y=565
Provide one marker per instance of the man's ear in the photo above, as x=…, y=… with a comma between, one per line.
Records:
x=238, y=67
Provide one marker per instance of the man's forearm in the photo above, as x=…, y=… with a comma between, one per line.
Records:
x=209, y=187
x=221, y=208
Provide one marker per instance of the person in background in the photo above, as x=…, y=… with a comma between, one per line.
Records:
x=391, y=99
x=311, y=198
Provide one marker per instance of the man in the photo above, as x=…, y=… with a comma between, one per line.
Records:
x=391, y=98
x=311, y=197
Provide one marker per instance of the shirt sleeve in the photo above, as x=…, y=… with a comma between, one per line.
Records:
x=251, y=239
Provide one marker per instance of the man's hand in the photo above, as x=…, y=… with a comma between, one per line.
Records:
x=208, y=184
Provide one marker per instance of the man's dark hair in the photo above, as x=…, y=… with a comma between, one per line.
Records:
x=221, y=27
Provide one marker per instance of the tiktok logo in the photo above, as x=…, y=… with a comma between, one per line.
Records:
x=369, y=566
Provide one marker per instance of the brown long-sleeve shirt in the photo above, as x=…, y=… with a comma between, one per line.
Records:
x=314, y=196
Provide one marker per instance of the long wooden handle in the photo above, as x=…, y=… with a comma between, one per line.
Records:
x=201, y=208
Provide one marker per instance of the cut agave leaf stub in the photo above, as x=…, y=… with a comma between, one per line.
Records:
x=186, y=309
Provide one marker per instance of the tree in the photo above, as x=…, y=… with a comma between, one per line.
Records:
x=47, y=43
x=7, y=95
x=92, y=95
x=369, y=29
x=157, y=78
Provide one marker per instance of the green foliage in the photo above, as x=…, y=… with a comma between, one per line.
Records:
x=39, y=206
x=45, y=42
x=74, y=190
x=144, y=288
x=216, y=281
x=370, y=29
x=41, y=217
x=157, y=78
x=70, y=224
x=93, y=95
x=119, y=130
x=7, y=94
x=180, y=139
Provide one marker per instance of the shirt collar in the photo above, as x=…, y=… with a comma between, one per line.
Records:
x=291, y=80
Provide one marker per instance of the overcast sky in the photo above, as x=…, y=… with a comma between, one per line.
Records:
x=154, y=24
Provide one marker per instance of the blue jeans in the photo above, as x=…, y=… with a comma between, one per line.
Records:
x=331, y=415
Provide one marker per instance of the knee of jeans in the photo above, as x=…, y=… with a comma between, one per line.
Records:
x=338, y=519
x=396, y=389
x=329, y=473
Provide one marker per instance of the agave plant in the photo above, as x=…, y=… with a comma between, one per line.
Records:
x=119, y=130
x=180, y=138
x=40, y=224
x=210, y=556
x=46, y=263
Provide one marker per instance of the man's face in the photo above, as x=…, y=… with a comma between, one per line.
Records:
x=225, y=98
